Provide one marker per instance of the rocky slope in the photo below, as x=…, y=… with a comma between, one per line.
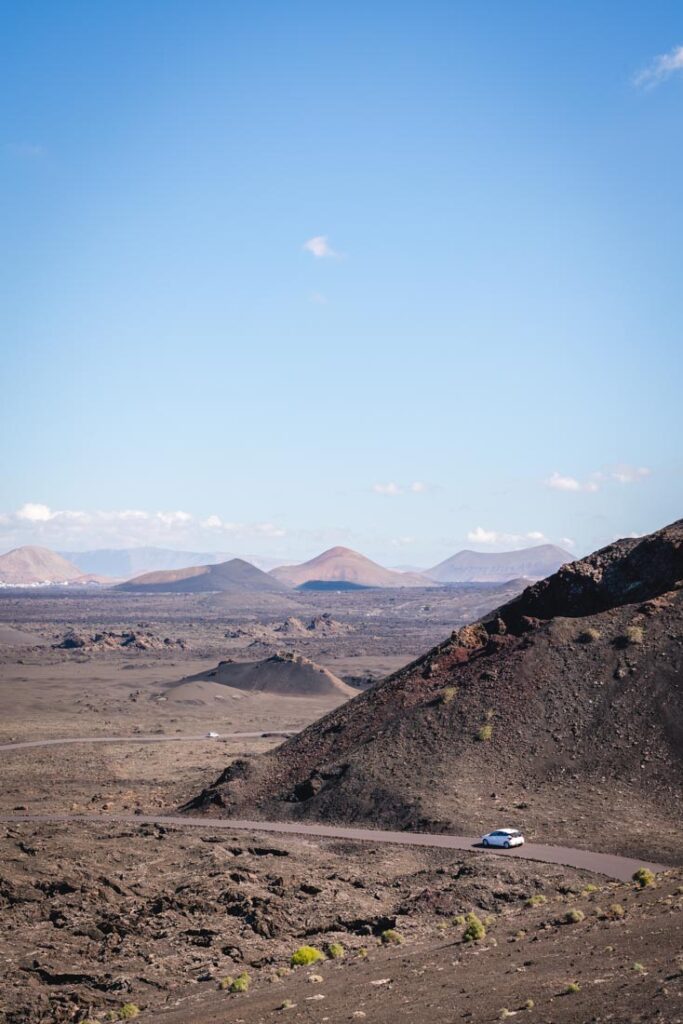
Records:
x=562, y=709
x=495, y=567
x=346, y=566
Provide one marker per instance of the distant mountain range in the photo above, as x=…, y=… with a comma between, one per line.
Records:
x=346, y=566
x=234, y=576
x=496, y=567
x=32, y=566
x=124, y=563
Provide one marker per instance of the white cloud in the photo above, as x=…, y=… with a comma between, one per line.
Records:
x=319, y=247
x=558, y=482
x=567, y=542
x=621, y=474
x=630, y=474
x=391, y=489
x=35, y=523
x=496, y=537
x=661, y=68
x=34, y=513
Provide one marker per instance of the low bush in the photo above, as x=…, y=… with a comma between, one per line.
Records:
x=537, y=900
x=128, y=1011
x=574, y=916
x=474, y=930
x=305, y=955
x=485, y=733
x=572, y=987
x=336, y=951
x=644, y=877
x=448, y=694
x=529, y=1004
x=459, y=921
x=390, y=937
x=639, y=969
x=241, y=983
x=589, y=636
x=617, y=911
x=587, y=890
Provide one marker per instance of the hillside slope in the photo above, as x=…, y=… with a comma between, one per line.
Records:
x=347, y=566
x=284, y=674
x=30, y=564
x=126, y=563
x=561, y=711
x=234, y=576
x=495, y=567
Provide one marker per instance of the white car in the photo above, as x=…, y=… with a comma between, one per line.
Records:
x=506, y=837
x=212, y=735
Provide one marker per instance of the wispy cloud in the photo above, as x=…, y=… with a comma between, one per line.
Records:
x=559, y=482
x=661, y=68
x=620, y=474
x=320, y=247
x=37, y=523
x=497, y=537
x=392, y=489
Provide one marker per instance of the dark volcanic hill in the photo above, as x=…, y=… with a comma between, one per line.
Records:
x=495, y=567
x=561, y=712
x=343, y=565
x=235, y=576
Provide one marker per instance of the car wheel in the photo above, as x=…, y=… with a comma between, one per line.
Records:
x=506, y=845
x=484, y=842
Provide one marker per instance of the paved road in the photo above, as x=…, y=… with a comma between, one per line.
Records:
x=612, y=866
x=26, y=744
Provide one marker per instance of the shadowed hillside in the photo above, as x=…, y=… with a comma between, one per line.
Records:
x=231, y=577
x=562, y=709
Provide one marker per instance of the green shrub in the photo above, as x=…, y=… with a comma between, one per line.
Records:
x=241, y=983
x=459, y=921
x=485, y=733
x=475, y=930
x=305, y=955
x=639, y=969
x=537, y=900
x=336, y=951
x=286, y=1004
x=635, y=635
x=128, y=1011
x=362, y=952
x=448, y=694
x=574, y=916
x=616, y=910
x=390, y=937
x=588, y=889
x=225, y=983
x=644, y=877
x=572, y=987
x=529, y=1004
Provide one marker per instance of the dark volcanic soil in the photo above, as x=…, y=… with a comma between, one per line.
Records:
x=572, y=725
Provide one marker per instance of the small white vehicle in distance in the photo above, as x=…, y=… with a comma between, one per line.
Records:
x=505, y=837
x=212, y=735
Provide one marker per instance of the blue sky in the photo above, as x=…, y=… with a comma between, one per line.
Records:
x=480, y=346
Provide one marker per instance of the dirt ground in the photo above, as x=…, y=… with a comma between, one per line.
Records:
x=94, y=917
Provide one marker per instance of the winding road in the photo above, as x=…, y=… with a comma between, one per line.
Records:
x=611, y=865
x=153, y=738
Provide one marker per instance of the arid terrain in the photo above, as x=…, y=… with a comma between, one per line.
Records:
x=98, y=916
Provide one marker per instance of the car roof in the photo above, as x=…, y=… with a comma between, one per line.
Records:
x=508, y=830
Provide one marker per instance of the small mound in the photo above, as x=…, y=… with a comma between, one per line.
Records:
x=284, y=674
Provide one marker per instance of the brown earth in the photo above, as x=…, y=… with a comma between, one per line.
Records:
x=234, y=576
x=285, y=674
x=347, y=566
x=31, y=565
x=562, y=710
